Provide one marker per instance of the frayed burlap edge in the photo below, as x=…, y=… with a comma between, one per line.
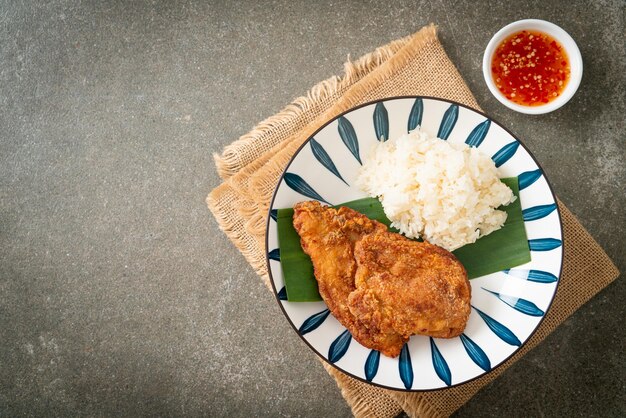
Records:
x=263, y=182
x=353, y=391
x=240, y=153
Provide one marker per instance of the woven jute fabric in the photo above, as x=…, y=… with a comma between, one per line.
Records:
x=252, y=165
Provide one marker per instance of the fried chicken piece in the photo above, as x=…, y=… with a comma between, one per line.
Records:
x=409, y=287
x=328, y=236
x=381, y=286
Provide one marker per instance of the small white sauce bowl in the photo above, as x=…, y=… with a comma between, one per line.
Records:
x=562, y=37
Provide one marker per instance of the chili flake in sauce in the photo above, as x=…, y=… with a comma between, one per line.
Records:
x=530, y=68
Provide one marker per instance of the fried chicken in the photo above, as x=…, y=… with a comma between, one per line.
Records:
x=380, y=285
x=410, y=287
x=328, y=236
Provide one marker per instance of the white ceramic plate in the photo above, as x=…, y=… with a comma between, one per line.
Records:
x=507, y=307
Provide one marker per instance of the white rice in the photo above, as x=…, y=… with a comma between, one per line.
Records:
x=444, y=192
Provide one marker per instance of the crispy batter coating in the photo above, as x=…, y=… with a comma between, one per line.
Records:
x=411, y=287
x=380, y=285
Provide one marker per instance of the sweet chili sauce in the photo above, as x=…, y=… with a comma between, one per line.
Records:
x=530, y=68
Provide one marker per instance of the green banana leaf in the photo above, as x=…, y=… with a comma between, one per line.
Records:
x=500, y=250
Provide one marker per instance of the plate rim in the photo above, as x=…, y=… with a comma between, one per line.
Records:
x=269, y=218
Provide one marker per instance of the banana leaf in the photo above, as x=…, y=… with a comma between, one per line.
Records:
x=500, y=250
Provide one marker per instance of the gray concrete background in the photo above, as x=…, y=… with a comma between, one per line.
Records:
x=119, y=296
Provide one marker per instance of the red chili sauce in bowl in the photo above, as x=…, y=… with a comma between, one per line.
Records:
x=530, y=68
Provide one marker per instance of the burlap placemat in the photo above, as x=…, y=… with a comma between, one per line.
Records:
x=251, y=166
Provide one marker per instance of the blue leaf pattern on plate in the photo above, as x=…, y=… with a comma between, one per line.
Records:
x=544, y=244
x=322, y=156
x=381, y=122
x=415, y=117
x=448, y=122
x=313, y=322
x=505, y=153
x=274, y=254
x=538, y=212
x=500, y=330
x=348, y=136
x=536, y=276
x=298, y=184
x=405, y=367
x=521, y=305
x=527, y=178
x=477, y=136
x=339, y=347
x=322, y=172
x=439, y=363
x=476, y=353
x=371, y=365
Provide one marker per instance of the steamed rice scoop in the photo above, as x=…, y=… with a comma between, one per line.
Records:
x=446, y=193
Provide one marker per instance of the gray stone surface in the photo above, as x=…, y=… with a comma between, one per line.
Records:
x=119, y=296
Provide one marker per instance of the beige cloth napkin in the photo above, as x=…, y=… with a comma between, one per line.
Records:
x=252, y=165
